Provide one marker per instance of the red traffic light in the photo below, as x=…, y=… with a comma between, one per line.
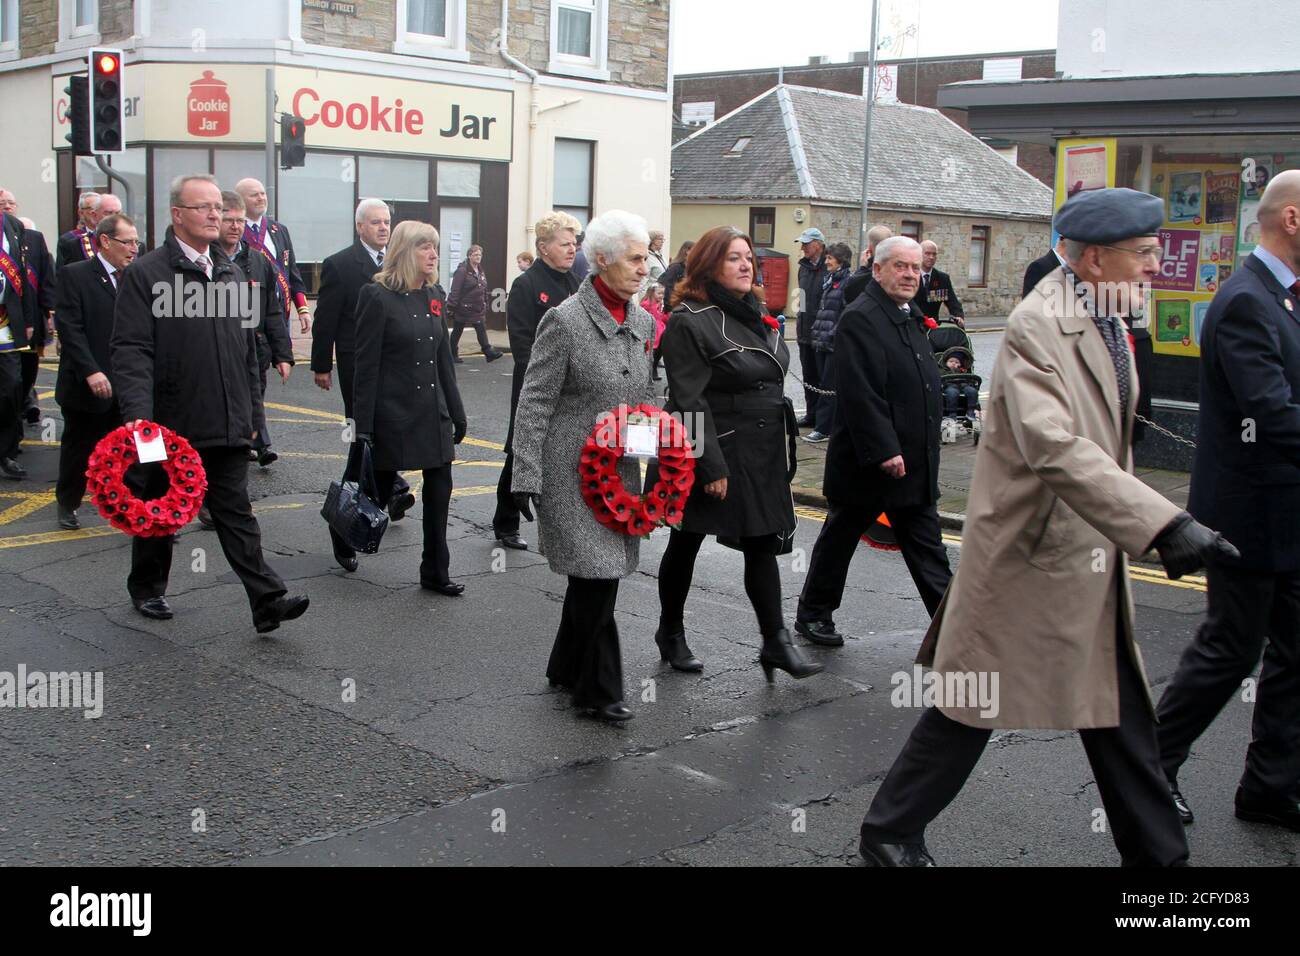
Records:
x=107, y=63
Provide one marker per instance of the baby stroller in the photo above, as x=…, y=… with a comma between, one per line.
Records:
x=951, y=345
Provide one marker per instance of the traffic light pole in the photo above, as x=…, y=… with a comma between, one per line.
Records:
x=112, y=174
x=270, y=142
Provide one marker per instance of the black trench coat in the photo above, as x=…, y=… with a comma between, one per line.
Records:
x=729, y=378
x=404, y=392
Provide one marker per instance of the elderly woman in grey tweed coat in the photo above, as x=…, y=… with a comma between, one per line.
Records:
x=591, y=354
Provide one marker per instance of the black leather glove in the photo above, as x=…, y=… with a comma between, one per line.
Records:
x=524, y=503
x=458, y=432
x=1186, y=545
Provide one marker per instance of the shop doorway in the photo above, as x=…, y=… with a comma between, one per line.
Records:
x=456, y=230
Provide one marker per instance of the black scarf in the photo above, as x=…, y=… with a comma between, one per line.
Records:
x=747, y=310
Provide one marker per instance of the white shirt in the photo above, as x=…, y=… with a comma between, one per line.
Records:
x=263, y=235
x=109, y=268
x=193, y=254
x=374, y=253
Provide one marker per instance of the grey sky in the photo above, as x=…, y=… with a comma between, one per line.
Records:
x=735, y=34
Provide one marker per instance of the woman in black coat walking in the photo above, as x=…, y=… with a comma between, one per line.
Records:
x=726, y=367
x=839, y=260
x=407, y=405
x=467, y=304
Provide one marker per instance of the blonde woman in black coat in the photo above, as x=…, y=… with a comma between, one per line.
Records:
x=407, y=405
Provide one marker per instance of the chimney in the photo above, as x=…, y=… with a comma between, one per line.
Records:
x=818, y=60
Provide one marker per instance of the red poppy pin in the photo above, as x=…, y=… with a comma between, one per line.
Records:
x=931, y=324
x=771, y=322
x=543, y=298
x=435, y=307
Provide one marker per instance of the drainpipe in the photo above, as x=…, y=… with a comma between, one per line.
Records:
x=533, y=112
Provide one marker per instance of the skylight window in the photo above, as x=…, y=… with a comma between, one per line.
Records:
x=739, y=146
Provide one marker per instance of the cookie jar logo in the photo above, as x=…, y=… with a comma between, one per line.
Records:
x=208, y=107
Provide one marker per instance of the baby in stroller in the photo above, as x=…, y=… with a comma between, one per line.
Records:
x=961, y=386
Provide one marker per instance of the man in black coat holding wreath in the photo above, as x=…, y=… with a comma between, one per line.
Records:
x=884, y=450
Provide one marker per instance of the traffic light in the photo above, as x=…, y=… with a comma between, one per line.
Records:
x=293, y=141
x=78, y=115
x=106, y=102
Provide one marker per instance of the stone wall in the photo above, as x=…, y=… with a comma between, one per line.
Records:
x=1013, y=244
x=116, y=21
x=372, y=29
x=38, y=27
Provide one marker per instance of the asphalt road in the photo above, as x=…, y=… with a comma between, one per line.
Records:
x=393, y=725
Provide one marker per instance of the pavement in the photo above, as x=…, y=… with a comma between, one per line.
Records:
x=391, y=725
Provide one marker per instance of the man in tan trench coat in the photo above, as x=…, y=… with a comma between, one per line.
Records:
x=1040, y=609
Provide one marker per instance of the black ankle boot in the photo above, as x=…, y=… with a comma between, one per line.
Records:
x=779, y=653
x=673, y=649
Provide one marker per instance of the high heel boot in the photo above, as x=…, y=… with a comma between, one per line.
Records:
x=673, y=649
x=779, y=653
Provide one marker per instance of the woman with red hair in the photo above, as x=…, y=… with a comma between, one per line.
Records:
x=726, y=365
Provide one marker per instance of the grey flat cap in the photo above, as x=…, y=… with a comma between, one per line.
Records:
x=1103, y=216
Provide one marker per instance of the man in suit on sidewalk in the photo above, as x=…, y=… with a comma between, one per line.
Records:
x=1246, y=482
x=79, y=244
x=83, y=316
x=936, y=289
x=334, y=333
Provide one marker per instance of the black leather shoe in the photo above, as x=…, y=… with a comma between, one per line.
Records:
x=512, y=540
x=779, y=653
x=343, y=554
x=33, y=415
x=494, y=355
x=155, y=607
x=1277, y=811
x=11, y=469
x=894, y=854
x=673, y=649
x=282, y=609
x=612, y=713
x=266, y=456
x=399, y=505
x=1181, y=805
x=820, y=632
x=68, y=519
x=449, y=588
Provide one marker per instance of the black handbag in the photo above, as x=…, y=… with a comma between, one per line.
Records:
x=350, y=508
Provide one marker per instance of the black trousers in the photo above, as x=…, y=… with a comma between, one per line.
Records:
x=81, y=433
x=941, y=753
x=11, y=403
x=811, y=376
x=237, y=530
x=345, y=363
x=1245, y=608
x=31, y=364
x=480, y=331
x=919, y=538
x=826, y=404
x=435, y=560
x=586, y=656
x=263, y=439
x=677, y=568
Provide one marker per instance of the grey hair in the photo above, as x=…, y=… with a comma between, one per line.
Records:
x=366, y=205
x=888, y=248
x=89, y=201
x=609, y=233
x=877, y=235
x=178, y=185
x=1074, y=249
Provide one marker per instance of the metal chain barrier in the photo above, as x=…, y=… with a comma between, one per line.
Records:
x=1166, y=432
x=812, y=388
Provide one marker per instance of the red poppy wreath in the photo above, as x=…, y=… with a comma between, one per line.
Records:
x=602, y=487
x=106, y=485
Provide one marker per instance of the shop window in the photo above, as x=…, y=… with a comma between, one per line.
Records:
x=573, y=175
x=911, y=228
x=431, y=28
x=168, y=163
x=8, y=29
x=318, y=206
x=130, y=165
x=402, y=183
x=762, y=225
x=232, y=165
x=459, y=180
x=580, y=38
x=977, y=273
x=78, y=24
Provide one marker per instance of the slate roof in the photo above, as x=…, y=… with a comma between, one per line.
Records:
x=806, y=145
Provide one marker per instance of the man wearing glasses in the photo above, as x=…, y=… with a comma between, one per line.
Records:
x=83, y=316
x=198, y=375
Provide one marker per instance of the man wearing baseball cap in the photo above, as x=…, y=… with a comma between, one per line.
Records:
x=812, y=270
x=1039, y=611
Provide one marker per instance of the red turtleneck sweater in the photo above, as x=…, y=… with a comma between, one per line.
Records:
x=617, y=307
